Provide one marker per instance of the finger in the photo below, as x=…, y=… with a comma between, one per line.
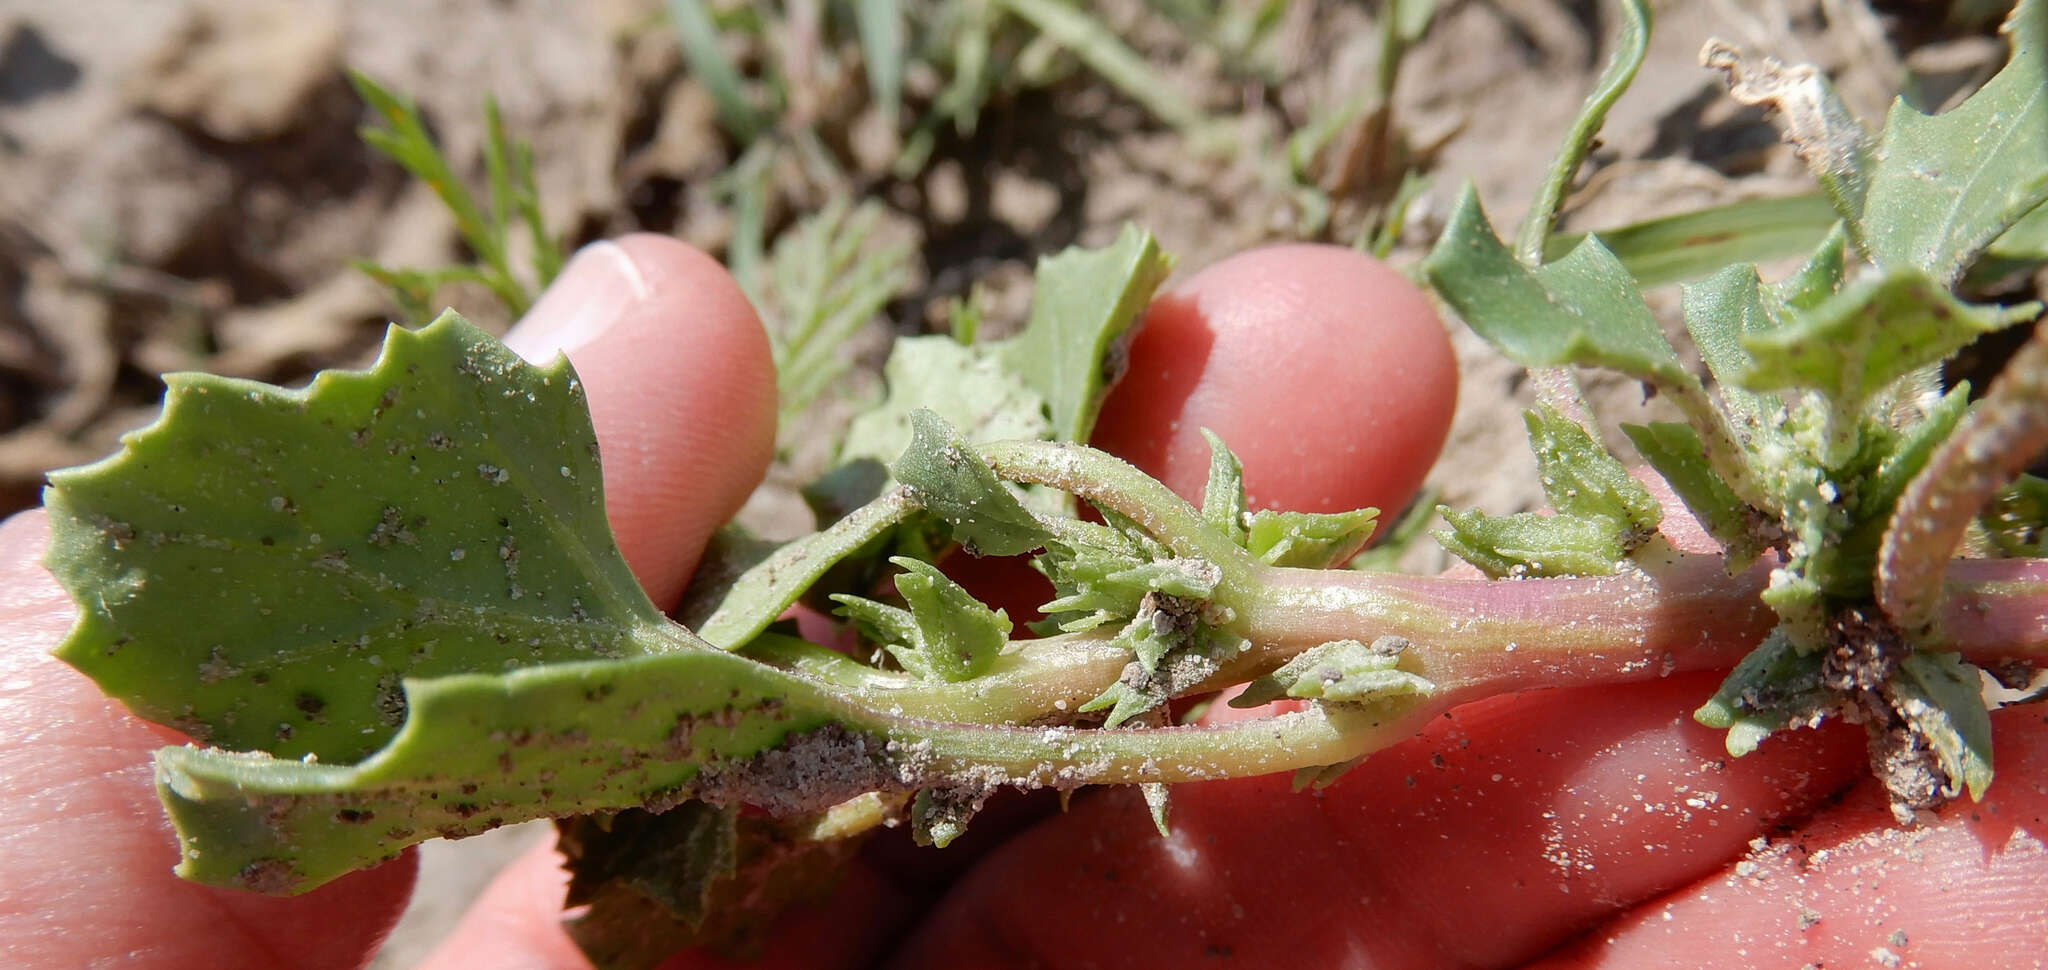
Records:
x=1326, y=372
x=1550, y=809
x=1855, y=889
x=89, y=853
x=1505, y=828
x=681, y=386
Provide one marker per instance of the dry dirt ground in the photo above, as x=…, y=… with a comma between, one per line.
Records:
x=181, y=186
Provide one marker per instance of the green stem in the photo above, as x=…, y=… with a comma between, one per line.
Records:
x=1112, y=483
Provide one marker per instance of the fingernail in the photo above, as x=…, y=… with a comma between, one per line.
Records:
x=594, y=291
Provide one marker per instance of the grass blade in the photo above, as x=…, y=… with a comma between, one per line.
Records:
x=880, y=23
x=1629, y=50
x=708, y=63
x=1694, y=244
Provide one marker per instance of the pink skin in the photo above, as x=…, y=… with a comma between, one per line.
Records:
x=1460, y=867
x=1327, y=373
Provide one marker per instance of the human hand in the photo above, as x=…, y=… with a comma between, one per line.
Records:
x=681, y=387
x=1524, y=835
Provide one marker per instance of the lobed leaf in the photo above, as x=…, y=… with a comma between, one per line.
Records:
x=1313, y=540
x=482, y=750
x=741, y=588
x=1854, y=346
x=1528, y=544
x=1084, y=303
x=1720, y=312
x=958, y=637
x=1942, y=698
x=1223, y=498
x=1583, y=309
x=1342, y=671
x=945, y=476
x=1602, y=514
x=1776, y=686
x=1943, y=187
x=439, y=513
x=971, y=387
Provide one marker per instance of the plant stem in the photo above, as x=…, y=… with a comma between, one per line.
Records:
x=1987, y=451
x=1683, y=614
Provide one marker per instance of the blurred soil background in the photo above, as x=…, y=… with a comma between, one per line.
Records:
x=182, y=186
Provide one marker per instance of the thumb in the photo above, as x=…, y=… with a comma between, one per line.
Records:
x=88, y=850
x=681, y=386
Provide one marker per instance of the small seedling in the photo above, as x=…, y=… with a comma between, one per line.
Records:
x=387, y=607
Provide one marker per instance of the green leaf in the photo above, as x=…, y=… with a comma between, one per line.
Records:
x=1314, y=540
x=972, y=388
x=482, y=750
x=1820, y=276
x=1528, y=544
x=1943, y=187
x=1150, y=636
x=1223, y=499
x=880, y=24
x=1342, y=671
x=1185, y=578
x=1602, y=514
x=946, y=476
x=1719, y=312
x=1775, y=687
x=1855, y=345
x=958, y=636
x=1675, y=451
x=1942, y=698
x=2026, y=241
x=737, y=592
x=891, y=627
x=1582, y=480
x=1159, y=804
x=715, y=71
x=1583, y=309
x=1083, y=304
x=441, y=512
x=1124, y=701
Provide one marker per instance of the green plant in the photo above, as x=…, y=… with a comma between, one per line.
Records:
x=487, y=229
x=419, y=624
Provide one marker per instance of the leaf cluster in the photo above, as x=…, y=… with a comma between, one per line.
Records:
x=1824, y=440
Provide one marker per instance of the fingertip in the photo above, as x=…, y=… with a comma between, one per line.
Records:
x=1326, y=371
x=681, y=385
